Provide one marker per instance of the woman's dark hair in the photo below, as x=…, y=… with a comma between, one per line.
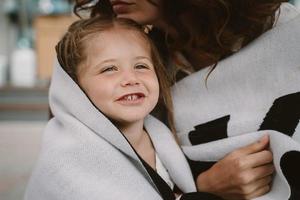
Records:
x=71, y=52
x=206, y=30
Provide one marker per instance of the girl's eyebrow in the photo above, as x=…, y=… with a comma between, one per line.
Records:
x=107, y=61
x=114, y=60
x=104, y=62
x=142, y=57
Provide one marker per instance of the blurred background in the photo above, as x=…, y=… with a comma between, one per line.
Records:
x=29, y=30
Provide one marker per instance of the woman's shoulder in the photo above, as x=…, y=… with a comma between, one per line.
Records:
x=286, y=13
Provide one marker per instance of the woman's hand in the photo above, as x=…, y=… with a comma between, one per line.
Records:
x=243, y=174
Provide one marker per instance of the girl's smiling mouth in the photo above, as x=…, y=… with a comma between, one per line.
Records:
x=132, y=98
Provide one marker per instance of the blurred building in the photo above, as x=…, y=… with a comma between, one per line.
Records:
x=29, y=30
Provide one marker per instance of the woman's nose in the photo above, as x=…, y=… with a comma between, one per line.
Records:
x=129, y=79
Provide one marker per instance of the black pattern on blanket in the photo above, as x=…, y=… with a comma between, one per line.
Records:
x=253, y=92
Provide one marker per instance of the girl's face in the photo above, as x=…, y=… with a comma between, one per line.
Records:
x=141, y=11
x=119, y=76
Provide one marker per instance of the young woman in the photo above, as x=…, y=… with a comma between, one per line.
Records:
x=226, y=97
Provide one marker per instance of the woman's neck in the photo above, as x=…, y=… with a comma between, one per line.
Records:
x=166, y=28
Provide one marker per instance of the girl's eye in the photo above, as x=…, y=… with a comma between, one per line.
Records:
x=142, y=66
x=109, y=69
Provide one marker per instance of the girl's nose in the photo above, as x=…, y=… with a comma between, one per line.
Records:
x=129, y=79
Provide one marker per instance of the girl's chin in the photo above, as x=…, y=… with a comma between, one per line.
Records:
x=128, y=121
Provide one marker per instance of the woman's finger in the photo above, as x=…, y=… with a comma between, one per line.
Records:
x=259, y=192
x=257, y=173
x=264, y=171
x=258, y=159
x=256, y=146
x=256, y=185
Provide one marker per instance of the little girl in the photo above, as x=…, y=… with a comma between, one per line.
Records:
x=102, y=143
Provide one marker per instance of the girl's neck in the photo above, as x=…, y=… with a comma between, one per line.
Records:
x=135, y=133
x=140, y=141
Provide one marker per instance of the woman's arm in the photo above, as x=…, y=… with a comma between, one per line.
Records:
x=243, y=174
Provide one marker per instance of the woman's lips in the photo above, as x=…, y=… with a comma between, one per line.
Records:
x=114, y=2
x=121, y=7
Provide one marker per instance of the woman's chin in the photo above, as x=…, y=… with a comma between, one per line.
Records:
x=133, y=18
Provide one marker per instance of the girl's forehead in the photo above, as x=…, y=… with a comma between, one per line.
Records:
x=118, y=30
x=116, y=34
x=118, y=43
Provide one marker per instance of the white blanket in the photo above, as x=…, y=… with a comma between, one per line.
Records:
x=84, y=156
x=254, y=92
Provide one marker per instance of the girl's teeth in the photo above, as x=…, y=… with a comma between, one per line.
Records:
x=131, y=97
